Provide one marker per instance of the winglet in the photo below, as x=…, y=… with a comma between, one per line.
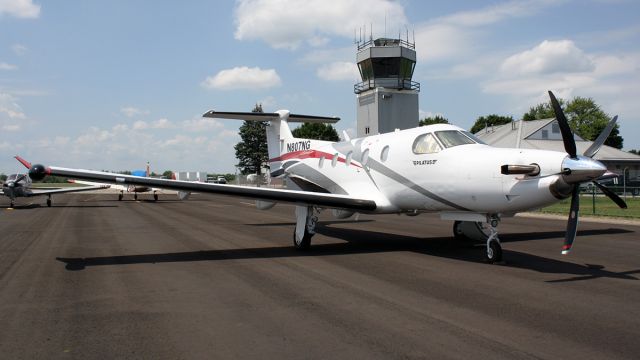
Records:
x=23, y=162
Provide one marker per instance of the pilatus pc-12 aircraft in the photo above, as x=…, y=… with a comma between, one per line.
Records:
x=438, y=168
x=19, y=185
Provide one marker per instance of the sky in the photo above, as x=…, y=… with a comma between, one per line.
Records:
x=110, y=85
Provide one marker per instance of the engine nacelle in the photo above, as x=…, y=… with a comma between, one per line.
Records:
x=264, y=205
x=342, y=214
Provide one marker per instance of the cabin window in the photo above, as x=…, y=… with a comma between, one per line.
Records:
x=365, y=157
x=384, y=154
x=349, y=156
x=426, y=144
x=451, y=138
x=334, y=161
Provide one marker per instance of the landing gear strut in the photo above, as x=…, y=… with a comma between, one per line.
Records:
x=481, y=232
x=306, y=220
x=494, y=249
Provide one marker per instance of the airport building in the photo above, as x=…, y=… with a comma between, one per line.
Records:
x=387, y=97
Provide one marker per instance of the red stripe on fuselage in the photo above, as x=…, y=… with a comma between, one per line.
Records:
x=310, y=154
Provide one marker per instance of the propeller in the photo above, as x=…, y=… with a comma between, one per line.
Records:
x=578, y=169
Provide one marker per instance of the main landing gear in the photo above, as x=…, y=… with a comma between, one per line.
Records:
x=306, y=220
x=155, y=196
x=120, y=196
x=49, y=201
x=484, y=232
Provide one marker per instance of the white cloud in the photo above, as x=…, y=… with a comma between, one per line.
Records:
x=157, y=124
x=9, y=107
x=11, y=127
x=454, y=36
x=549, y=57
x=19, y=8
x=564, y=68
x=337, y=71
x=287, y=23
x=130, y=111
x=5, y=66
x=19, y=49
x=243, y=78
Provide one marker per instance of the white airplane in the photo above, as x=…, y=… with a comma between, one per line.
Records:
x=438, y=168
x=19, y=185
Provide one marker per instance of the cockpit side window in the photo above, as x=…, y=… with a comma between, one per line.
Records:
x=451, y=138
x=426, y=144
x=474, y=138
x=12, y=177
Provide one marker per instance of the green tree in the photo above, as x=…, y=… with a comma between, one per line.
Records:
x=541, y=111
x=637, y=152
x=251, y=151
x=317, y=131
x=585, y=117
x=588, y=120
x=438, y=119
x=490, y=120
x=168, y=174
x=3, y=177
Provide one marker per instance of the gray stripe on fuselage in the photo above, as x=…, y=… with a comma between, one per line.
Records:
x=307, y=172
x=410, y=184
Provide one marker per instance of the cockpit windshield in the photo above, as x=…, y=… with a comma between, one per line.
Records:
x=12, y=177
x=451, y=138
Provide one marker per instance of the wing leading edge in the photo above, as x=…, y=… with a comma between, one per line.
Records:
x=278, y=195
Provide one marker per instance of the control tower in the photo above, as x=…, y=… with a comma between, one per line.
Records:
x=387, y=98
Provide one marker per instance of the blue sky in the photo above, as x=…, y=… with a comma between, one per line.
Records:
x=113, y=84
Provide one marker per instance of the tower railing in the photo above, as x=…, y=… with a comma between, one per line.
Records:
x=385, y=42
x=400, y=84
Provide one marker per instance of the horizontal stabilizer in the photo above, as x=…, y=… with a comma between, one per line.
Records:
x=255, y=116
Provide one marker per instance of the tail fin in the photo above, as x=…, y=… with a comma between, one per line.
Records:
x=278, y=131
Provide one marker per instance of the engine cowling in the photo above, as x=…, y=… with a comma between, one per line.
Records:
x=37, y=172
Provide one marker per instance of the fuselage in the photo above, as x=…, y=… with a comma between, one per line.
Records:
x=426, y=169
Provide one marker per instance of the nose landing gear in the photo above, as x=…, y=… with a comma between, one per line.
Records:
x=483, y=232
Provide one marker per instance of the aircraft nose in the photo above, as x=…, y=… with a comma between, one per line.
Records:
x=582, y=169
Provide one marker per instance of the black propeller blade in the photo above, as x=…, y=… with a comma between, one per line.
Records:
x=611, y=195
x=597, y=144
x=572, y=223
x=567, y=135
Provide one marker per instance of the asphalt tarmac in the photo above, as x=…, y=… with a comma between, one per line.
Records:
x=212, y=277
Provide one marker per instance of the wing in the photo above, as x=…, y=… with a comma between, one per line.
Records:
x=278, y=195
x=36, y=192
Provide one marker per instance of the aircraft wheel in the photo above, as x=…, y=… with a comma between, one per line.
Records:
x=49, y=202
x=458, y=234
x=494, y=252
x=155, y=197
x=135, y=196
x=11, y=205
x=304, y=243
x=119, y=197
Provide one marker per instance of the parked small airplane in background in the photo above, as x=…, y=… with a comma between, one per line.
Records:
x=19, y=185
x=135, y=189
x=438, y=168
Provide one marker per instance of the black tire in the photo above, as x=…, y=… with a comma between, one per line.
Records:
x=49, y=202
x=119, y=197
x=135, y=196
x=155, y=197
x=457, y=232
x=305, y=243
x=494, y=253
